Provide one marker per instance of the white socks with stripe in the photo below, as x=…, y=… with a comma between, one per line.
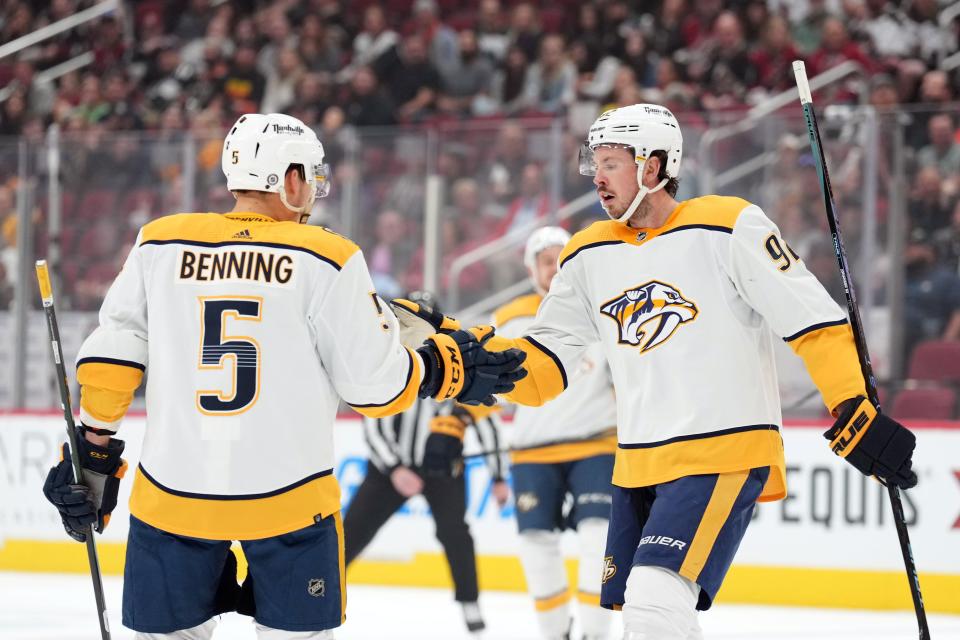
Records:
x=546, y=580
x=592, y=539
x=660, y=604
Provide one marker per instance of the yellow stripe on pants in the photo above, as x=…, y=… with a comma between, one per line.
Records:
x=725, y=494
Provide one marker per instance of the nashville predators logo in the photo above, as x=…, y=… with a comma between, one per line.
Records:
x=647, y=315
x=527, y=501
x=609, y=569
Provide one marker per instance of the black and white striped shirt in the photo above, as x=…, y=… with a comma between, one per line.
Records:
x=399, y=440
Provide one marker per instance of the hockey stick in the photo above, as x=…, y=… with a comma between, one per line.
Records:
x=806, y=101
x=46, y=293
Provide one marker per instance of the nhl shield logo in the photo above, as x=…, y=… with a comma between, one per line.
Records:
x=317, y=587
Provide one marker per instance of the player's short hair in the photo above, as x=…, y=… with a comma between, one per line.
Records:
x=673, y=184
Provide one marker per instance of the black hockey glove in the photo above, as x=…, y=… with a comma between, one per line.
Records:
x=93, y=500
x=457, y=366
x=443, y=450
x=874, y=444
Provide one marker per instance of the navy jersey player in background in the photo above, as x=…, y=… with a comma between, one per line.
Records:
x=253, y=327
x=686, y=299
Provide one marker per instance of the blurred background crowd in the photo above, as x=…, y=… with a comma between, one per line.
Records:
x=493, y=96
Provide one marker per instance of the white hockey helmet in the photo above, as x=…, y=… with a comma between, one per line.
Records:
x=261, y=147
x=541, y=239
x=644, y=128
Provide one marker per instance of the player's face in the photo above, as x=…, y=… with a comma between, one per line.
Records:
x=616, y=179
x=546, y=266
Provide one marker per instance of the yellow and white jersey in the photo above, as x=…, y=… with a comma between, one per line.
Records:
x=251, y=331
x=576, y=424
x=686, y=314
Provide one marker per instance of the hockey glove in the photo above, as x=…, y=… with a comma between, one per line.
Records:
x=417, y=322
x=457, y=366
x=874, y=444
x=443, y=450
x=92, y=500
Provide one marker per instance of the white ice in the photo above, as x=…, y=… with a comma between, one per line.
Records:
x=61, y=607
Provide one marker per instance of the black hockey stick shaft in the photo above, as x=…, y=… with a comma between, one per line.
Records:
x=46, y=293
x=813, y=131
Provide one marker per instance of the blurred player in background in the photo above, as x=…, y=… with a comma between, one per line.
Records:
x=686, y=299
x=562, y=450
x=397, y=447
x=253, y=327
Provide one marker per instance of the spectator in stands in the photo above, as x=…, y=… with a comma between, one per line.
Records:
x=466, y=82
x=926, y=206
x=474, y=280
x=550, y=81
x=723, y=67
x=282, y=81
x=279, y=37
x=935, y=40
x=808, y=29
x=312, y=96
x=931, y=298
x=891, y=33
x=193, y=20
x=388, y=258
x=92, y=107
x=19, y=22
x=109, y=49
x=586, y=29
x=773, y=56
x=595, y=76
x=943, y=152
x=162, y=83
x=883, y=92
x=439, y=39
x=509, y=81
x=410, y=78
x=337, y=135
x=666, y=32
x=525, y=29
x=375, y=40
x=243, y=86
x=14, y=112
x=510, y=156
x=835, y=48
x=639, y=58
x=367, y=104
x=39, y=93
x=698, y=21
x=532, y=203
x=946, y=242
x=319, y=45
x=491, y=28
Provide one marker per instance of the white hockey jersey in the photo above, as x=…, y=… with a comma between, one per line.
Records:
x=686, y=314
x=577, y=424
x=251, y=331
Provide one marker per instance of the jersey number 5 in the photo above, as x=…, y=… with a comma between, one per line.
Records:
x=216, y=348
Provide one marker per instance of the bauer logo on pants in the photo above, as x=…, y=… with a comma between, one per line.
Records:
x=317, y=587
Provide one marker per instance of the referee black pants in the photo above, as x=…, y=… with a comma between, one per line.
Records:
x=376, y=500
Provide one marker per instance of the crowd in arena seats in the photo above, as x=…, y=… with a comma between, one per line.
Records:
x=164, y=69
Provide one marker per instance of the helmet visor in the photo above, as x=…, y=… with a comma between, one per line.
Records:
x=586, y=161
x=321, y=179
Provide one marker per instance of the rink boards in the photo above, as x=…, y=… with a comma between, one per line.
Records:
x=830, y=543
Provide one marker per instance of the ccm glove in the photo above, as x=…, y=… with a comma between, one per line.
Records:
x=874, y=444
x=417, y=322
x=457, y=366
x=91, y=501
x=443, y=450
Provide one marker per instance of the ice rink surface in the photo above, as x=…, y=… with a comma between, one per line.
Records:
x=60, y=607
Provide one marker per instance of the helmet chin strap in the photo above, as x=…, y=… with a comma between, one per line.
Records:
x=304, y=211
x=641, y=194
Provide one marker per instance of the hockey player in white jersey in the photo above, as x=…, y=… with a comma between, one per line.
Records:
x=252, y=327
x=686, y=299
x=564, y=448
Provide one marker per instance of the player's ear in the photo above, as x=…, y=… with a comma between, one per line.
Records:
x=294, y=180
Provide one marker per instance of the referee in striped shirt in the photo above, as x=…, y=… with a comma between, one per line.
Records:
x=395, y=473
